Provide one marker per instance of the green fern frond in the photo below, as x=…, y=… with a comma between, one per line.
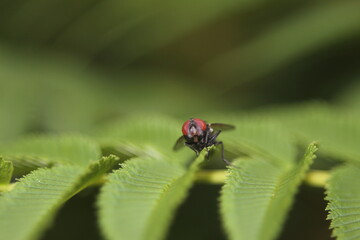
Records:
x=258, y=194
x=31, y=205
x=343, y=194
x=139, y=200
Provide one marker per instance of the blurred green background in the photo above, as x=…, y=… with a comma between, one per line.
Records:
x=70, y=66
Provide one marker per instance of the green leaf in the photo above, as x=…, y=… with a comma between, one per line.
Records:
x=25, y=164
x=6, y=170
x=259, y=136
x=343, y=194
x=51, y=149
x=153, y=137
x=31, y=206
x=258, y=194
x=336, y=130
x=139, y=200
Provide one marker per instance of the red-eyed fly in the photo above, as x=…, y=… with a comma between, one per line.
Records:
x=197, y=135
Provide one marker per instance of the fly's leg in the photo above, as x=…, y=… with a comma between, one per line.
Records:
x=206, y=137
x=192, y=148
x=213, y=137
x=222, y=153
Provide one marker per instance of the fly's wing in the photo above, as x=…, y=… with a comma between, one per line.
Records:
x=179, y=143
x=221, y=126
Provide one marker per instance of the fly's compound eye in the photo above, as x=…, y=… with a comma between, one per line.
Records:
x=185, y=127
x=194, y=127
x=200, y=123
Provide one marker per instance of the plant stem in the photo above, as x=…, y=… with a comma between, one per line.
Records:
x=317, y=178
x=6, y=187
x=314, y=178
x=211, y=176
